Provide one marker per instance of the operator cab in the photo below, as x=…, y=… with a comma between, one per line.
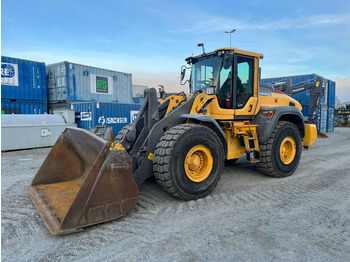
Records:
x=230, y=72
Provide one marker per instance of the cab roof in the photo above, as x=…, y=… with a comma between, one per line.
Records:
x=235, y=50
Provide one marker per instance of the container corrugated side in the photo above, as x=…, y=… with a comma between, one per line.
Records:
x=23, y=80
x=295, y=79
x=330, y=119
x=331, y=93
x=69, y=82
x=138, y=100
x=304, y=96
x=90, y=114
x=323, y=119
x=23, y=107
x=305, y=110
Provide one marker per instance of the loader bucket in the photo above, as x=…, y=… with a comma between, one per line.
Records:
x=83, y=181
x=106, y=132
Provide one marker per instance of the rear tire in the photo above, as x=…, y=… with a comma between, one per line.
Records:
x=280, y=154
x=188, y=161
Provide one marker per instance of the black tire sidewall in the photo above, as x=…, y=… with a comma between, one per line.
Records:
x=287, y=130
x=198, y=135
x=231, y=161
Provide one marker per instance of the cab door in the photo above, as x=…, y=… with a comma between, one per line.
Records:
x=245, y=86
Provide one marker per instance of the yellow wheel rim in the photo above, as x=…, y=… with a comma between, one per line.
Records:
x=288, y=150
x=198, y=163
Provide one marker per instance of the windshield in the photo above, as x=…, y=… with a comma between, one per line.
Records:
x=203, y=70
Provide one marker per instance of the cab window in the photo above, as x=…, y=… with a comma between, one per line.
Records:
x=244, y=80
x=224, y=89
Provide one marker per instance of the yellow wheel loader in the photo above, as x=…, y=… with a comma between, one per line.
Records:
x=183, y=140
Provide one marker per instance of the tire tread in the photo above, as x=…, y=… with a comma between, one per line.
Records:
x=162, y=161
x=266, y=165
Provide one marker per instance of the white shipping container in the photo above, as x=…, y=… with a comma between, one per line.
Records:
x=75, y=82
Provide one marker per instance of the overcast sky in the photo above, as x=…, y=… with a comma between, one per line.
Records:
x=151, y=39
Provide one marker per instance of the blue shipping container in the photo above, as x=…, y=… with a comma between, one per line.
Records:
x=23, y=80
x=23, y=107
x=303, y=97
x=326, y=116
x=330, y=123
x=138, y=100
x=305, y=110
x=90, y=114
x=323, y=119
x=331, y=93
x=69, y=82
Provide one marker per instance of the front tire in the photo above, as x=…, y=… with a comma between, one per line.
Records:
x=280, y=154
x=188, y=161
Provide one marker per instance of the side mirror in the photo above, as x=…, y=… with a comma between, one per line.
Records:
x=228, y=59
x=183, y=74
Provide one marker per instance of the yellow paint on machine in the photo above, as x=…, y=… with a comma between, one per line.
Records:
x=287, y=150
x=116, y=146
x=174, y=101
x=310, y=135
x=151, y=156
x=198, y=163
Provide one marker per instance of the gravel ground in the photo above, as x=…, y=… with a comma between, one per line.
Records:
x=248, y=217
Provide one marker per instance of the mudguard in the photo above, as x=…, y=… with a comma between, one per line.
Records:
x=267, y=118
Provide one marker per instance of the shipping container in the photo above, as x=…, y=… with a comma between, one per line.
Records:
x=69, y=82
x=23, y=80
x=330, y=120
x=138, y=100
x=331, y=93
x=324, y=116
x=138, y=90
x=304, y=97
x=323, y=119
x=305, y=110
x=90, y=114
x=33, y=107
